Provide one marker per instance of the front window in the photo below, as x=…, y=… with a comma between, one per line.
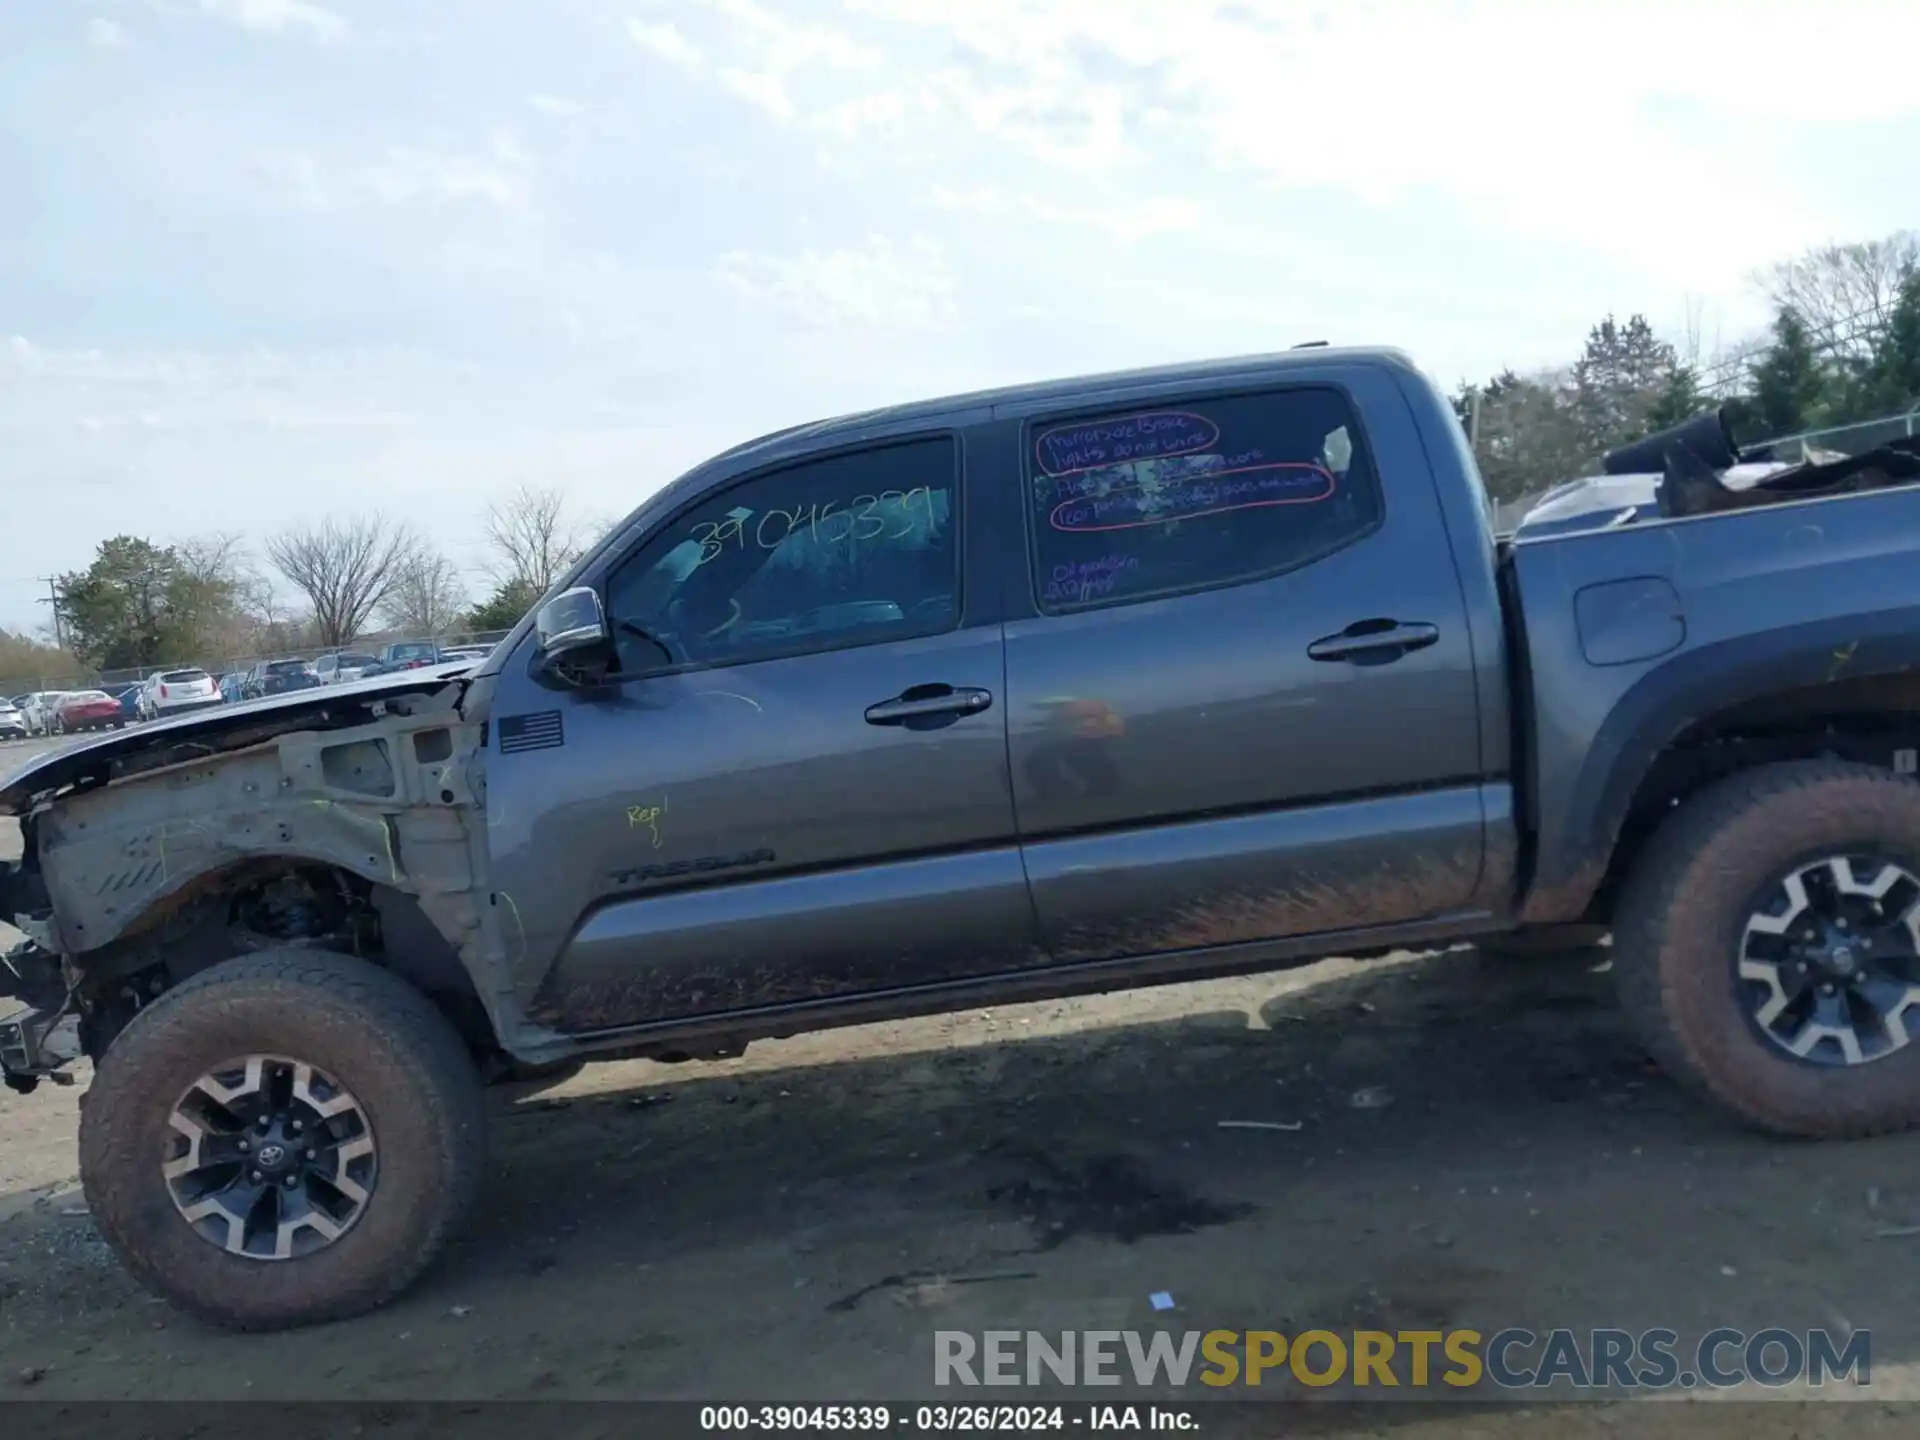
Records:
x=850, y=549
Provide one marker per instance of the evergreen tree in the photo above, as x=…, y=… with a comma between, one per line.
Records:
x=1617, y=380
x=1680, y=399
x=1790, y=383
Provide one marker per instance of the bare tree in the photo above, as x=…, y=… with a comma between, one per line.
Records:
x=345, y=567
x=428, y=597
x=217, y=558
x=1845, y=293
x=534, y=536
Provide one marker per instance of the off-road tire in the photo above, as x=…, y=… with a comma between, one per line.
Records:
x=1678, y=925
x=382, y=1040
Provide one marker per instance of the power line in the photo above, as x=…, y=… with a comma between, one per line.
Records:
x=1825, y=335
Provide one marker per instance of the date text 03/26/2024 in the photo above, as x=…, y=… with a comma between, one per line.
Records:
x=943, y=1419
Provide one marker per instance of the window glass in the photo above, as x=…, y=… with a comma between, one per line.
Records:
x=1149, y=502
x=846, y=550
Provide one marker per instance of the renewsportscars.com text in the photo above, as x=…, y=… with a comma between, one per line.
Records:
x=1511, y=1359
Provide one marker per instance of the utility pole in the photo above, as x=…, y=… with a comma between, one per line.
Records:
x=59, y=618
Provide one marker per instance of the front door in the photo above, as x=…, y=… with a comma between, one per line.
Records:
x=1243, y=704
x=803, y=791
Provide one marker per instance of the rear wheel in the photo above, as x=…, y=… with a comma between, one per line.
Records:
x=284, y=1139
x=1768, y=947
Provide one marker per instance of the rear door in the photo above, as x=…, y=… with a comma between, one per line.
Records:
x=1241, y=700
x=802, y=791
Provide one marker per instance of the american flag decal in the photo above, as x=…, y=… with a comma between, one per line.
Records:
x=544, y=731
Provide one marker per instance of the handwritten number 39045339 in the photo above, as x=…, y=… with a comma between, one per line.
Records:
x=864, y=519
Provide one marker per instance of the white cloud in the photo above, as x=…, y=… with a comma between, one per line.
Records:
x=759, y=89
x=665, y=41
x=499, y=176
x=871, y=286
x=785, y=45
x=274, y=17
x=1131, y=217
x=105, y=34
x=557, y=105
x=1543, y=119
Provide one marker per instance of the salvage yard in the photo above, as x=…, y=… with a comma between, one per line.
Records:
x=1450, y=1140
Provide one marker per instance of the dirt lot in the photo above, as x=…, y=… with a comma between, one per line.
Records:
x=798, y=1222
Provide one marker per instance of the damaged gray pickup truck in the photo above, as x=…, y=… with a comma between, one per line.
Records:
x=1084, y=685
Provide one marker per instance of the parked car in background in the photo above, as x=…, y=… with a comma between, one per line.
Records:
x=232, y=686
x=129, y=698
x=342, y=665
x=13, y=725
x=409, y=654
x=277, y=677
x=39, y=711
x=174, y=692
x=79, y=710
x=405, y=655
x=475, y=653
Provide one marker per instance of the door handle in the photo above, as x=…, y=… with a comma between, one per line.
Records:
x=921, y=701
x=1374, y=640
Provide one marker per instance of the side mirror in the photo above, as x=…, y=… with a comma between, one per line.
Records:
x=571, y=622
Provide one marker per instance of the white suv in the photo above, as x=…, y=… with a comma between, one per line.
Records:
x=39, y=711
x=341, y=666
x=174, y=692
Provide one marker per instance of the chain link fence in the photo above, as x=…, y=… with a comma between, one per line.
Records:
x=218, y=666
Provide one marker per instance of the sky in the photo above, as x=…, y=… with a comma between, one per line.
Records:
x=265, y=260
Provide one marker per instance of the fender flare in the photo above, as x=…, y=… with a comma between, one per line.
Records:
x=1575, y=847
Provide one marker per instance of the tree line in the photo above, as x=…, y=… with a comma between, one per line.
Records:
x=143, y=603
x=1843, y=347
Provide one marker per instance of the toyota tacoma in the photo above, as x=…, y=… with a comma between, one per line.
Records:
x=1072, y=687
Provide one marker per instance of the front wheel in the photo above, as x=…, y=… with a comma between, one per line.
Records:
x=1767, y=947
x=285, y=1139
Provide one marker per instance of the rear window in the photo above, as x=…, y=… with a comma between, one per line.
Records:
x=350, y=661
x=1159, y=502
x=183, y=677
x=285, y=667
x=85, y=695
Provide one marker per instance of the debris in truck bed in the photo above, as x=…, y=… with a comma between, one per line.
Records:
x=1701, y=473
